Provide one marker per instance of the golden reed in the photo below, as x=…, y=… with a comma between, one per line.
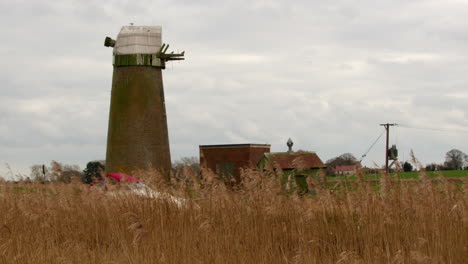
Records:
x=258, y=222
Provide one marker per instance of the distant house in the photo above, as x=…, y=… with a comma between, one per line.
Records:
x=345, y=170
x=228, y=160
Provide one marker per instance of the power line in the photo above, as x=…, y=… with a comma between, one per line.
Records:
x=435, y=129
x=373, y=144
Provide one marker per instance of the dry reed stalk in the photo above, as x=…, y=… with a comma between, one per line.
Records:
x=256, y=224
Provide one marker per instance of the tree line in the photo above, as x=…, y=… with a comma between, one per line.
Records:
x=455, y=159
x=66, y=173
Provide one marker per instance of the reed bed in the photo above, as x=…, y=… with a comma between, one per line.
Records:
x=261, y=221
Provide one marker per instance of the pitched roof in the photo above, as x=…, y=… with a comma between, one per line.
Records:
x=295, y=160
x=345, y=168
x=249, y=145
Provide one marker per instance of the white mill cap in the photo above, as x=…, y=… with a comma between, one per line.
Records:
x=138, y=40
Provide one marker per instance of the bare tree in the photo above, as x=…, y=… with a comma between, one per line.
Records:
x=455, y=159
x=343, y=159
x=190, y=162
x=55, y=172
x=38, y=173
x=70, y=172
x=56, y=169
x=348, y=159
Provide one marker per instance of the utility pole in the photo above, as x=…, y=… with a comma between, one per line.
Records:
x=387, y=129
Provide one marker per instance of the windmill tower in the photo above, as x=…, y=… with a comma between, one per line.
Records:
x=137, y=135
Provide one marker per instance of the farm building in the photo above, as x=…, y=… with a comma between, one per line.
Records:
x=292, y=160
x=298, y=161
x=227, y=160
x=345, y=170
x=297, y=165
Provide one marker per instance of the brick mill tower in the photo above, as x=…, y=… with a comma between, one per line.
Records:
x=138, y=136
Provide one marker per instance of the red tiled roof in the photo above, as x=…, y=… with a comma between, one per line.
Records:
x=295, y=160
x=345, y=168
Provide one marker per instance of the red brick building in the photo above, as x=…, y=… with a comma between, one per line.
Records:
x=227, y=160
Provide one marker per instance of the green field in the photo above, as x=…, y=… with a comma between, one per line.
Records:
x=411, y=175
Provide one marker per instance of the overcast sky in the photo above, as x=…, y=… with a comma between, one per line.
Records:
x=325, y=73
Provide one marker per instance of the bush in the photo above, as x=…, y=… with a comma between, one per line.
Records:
x=407, y=167
x=92, y=171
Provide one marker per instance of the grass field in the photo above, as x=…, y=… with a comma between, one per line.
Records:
x=413, y=175
x=258, y=223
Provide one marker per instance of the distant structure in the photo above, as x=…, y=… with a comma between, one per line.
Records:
x=345, y=170
x=299, y=161
x=227, y=160
x=295, y=164
x=138, y=136
x=288, y=161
